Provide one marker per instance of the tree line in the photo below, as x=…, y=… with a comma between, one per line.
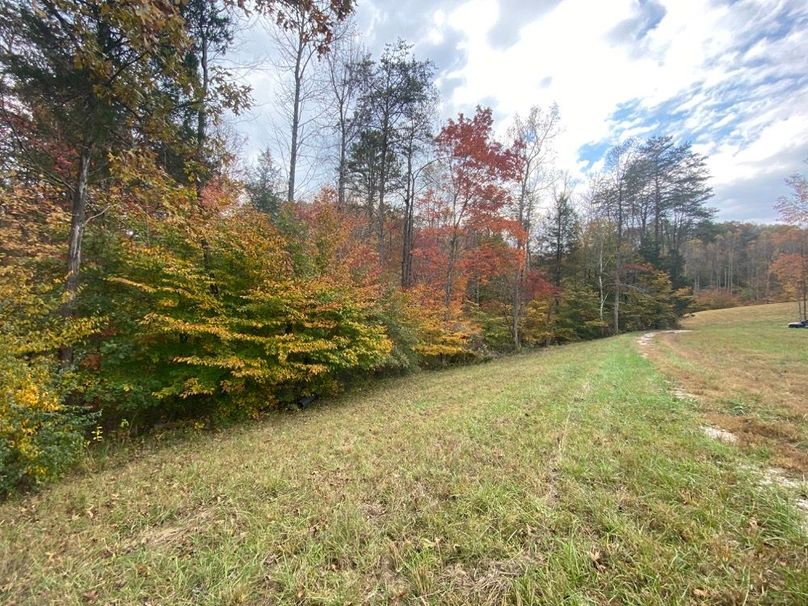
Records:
x=148, y=276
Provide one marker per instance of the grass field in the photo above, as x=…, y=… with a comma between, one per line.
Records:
x=750, y=374
x=575, y=475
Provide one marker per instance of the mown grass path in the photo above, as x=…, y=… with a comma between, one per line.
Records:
x=568, y=476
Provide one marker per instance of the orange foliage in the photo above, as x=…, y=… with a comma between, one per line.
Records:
x=335, y=240
x=467, y=234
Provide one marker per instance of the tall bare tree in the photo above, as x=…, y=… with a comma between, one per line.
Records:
x=346, y=70
x=615, y=198
x=298, y=50
x=304, y=31
x=533, y=140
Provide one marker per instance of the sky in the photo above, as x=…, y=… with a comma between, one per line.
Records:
x=730, y=77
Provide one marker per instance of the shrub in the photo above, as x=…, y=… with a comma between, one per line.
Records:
x=224, y=326
x=494, y=320
x=402, y=327
x=445, y=336
x=715, y=298
x=39, y=436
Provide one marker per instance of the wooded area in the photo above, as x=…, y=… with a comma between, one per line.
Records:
x=147, y=275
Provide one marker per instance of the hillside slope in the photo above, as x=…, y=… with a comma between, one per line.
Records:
x=573, y=475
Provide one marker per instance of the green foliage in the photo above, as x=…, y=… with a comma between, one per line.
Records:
x=571, y=315
x=39, y=437
x=649, y=302
x=495, y=325
x=683, y=302
x=578, y=316
x=263, y=185
x=402, y=329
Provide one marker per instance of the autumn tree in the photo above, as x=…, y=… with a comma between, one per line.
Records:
x=81, y=79
x=475, y=172
x=791, y=266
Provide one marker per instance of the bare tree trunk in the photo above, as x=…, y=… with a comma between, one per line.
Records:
x=657, y=218
x=516, y=300
x=342, y=171
x=202, y=115
x=409, y=219
x=77, y=217
x=521, y=272
x=383, y=168
x=78, y=213
x=617, y=267
x=516, y=311
x=517, y=294
x=804, y=256
x=369, y=211
x=453, y=248
x=293, y=151
x=601, y=293
x=201, y=138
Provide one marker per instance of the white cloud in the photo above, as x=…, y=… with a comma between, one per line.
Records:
x=697, y=46
x=730, y=76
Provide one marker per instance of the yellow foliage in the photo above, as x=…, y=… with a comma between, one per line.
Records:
x=444, y=335
x=37, y=440
x=226, y=314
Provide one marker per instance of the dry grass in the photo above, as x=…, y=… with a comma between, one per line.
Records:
x=569, y=476
x=750, y=374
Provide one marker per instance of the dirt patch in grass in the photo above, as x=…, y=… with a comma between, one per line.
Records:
x=720, y=434
x=171, y=533
x=488, y=583
x=645, y=340
x=781, y=438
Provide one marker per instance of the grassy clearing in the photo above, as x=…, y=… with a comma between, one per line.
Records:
x=569, y=476
x=750, y=373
